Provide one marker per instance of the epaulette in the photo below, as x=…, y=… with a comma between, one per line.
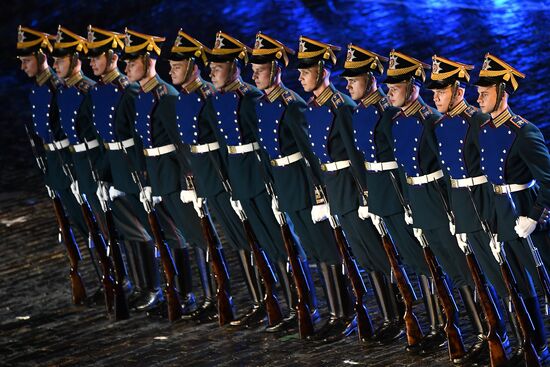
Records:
x=207, y=90
x=288, y=96
x=518, y=121
x=243, y=89
x=337, y=100
x=425, y=112
x=384, y=103
x=123, y=81
x=55, y=81
x=160, y=90
x=84, y=85
x=470, y=111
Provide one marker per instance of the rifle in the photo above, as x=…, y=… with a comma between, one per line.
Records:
x=365, y=330
x=225, y=305
x=454, y=337
x=541, y=269
x=273, y=310
x=170, y=270
x=96, y=238
x=412, y=326
x=65, y=231
x=305, y=323
x=122, y=311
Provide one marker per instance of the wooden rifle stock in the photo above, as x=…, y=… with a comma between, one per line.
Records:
x=305, y=323
x=454, y=337
x=77, y=285
x=497, y=353
x=413, y=329
x=364, y=325
x=226, y=311
x=122, y=311
x=273, y=310
x=101, y=248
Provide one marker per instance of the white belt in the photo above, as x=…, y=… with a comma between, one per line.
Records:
x=77, y=148
x=285, y=161
x=60, y=144
x=505, y=189
x=203, y=148
x=335, y=166
x=153, y=152
x=468, y=181
x=421, y=180
x=117, y=145
x=380, y=166
x=240, y=149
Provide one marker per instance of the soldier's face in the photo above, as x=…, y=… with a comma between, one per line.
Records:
x=308, y=78
x=99, y=64
x=442, y=98
x=178, y=71
x=487, y=98
x=397, y=93
x=219, y=73
x=135, y=70
x=357, y=86
x=261, y=75
x=62, y=66
x=29, y=64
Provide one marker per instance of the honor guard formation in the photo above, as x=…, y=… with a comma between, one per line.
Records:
x=359, y=185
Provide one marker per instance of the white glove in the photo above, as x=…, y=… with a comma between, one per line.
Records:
x=276, y=212
x=418, y=234
x=114, y=193
x=188, y=196
x=238, y=208
x=156, y=200
x=525, y=226
x=376, y=222
x=102, y=191
x=363, y=212
x=146, y=195
x=496, y=247
x=76, y=191
x=452, y=228
x=408, y=217
x=198, y=204
x=319, y=212
x=462, y=240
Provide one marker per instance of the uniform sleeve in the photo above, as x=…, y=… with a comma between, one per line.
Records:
x=534, y=153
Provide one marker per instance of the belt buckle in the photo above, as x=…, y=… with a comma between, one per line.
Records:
x=274, y=163
x=454, y=182
x=323, y=167
x=499, y=189
x=72, y=149
x=409, y=180
x=232, y=149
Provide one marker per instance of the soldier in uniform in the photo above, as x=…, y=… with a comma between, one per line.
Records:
x=329, y=115
x=412, y=136
x=155, y=122
x=236, y=127
x=33, y=47
x=515, y=159
x=371, y=116
x=457, y=147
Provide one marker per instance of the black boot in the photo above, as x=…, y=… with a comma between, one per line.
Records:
x=207, y=311
x=151, y=272
x=136, y=273
x=517, y=356
x=184, y=280
x=256, y=314
x=383, y=291
x=436, y=337
x=479, y=351
x=539, y=341
x=127, y=285
x=98, y=296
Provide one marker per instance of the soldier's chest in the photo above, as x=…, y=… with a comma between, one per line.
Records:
x=270, y=116
x=188, y=108
x=407, y=136
x=145, y=107
x=69, y=101
x=227, y=106
x=105, y=100
x=365, y=121
x=496, y=145
x=40, y=99
x=452, y=138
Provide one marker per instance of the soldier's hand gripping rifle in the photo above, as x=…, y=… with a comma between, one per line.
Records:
x=365, y=330
x=412, y=326
x=226, y=309
x=122, y=311
x=96, y=237
x=454, y=337
x=497, y=352
x=541, y=269
x=524, y=320
x=169, y=268
x=305, y=323
x=77, y=285
x=273, y=310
